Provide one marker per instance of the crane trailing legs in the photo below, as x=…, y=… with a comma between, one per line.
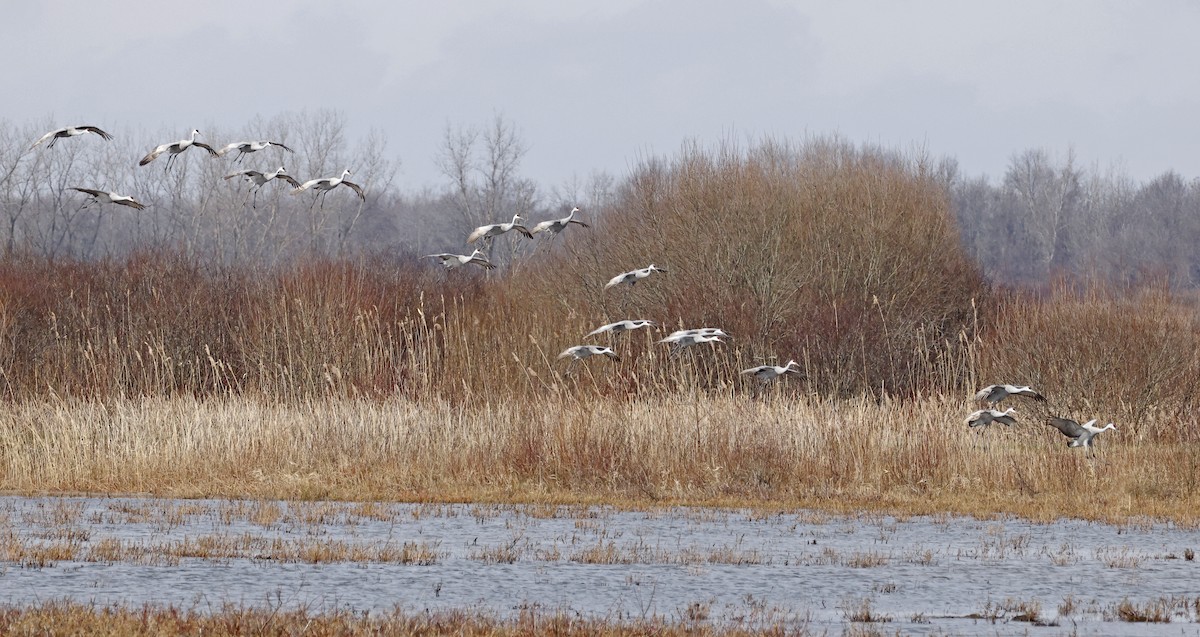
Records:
x=325, y=184
x=257, y=179
x=174, y=149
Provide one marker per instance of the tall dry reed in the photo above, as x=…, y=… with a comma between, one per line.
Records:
x=52, y=619
x=844, y=259
x=380, y=377
x=773, y=451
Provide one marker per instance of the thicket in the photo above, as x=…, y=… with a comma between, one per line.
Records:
x=845, y=258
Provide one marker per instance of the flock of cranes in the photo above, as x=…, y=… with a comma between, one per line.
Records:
x=173, y=150
x=486, y=233
x=678, y=341
x=1079, y=435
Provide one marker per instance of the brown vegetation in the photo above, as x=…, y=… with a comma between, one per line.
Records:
x=68, y=618
x=382, y=379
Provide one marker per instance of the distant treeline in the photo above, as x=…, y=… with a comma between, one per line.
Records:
x=1047, y=218
x=192, y=209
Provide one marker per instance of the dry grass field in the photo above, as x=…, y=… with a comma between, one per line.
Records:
x=779, y=452
x=53, y=619
x=380, y=378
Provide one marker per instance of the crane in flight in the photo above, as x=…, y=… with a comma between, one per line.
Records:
x=325, y=184
x=985, y=417
x=245, y=148
x=767, y=373
x=633, y=276
x=582, y=352
x=554, y=226
x=258, y=178
x=622, y=326
x=684, y=341
x=993, y=394
x=175, y=148
x=1080, y=435
x=451, y=261
x=493, y=230
x=105, y=196
x=68, y=131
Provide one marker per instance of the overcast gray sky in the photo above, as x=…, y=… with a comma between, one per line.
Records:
x=599, y=85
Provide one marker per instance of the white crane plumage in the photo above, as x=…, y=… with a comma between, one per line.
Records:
x=768, y=373
x=175, y=148
x=325, y=184
x=702, y=331
x=492, y=230
x=258, y=178
x=451, y=261
x=580, y=352
x=622, y=326
x=68, y=131
x=245, y=148
x=105, y=196
x=555, y=226
x=633, y=276
x=985, y=417
x=684, y=341
x=993, y=394
x=1080, y=435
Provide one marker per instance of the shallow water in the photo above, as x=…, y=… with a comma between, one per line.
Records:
x=923, y=574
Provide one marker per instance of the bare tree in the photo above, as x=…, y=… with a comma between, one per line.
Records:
x=1047, y=198
x=17, y=185
x=482, y=166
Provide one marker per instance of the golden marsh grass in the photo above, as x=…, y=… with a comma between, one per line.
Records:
x=378, y=379
x=905, y=457
x=53, y=619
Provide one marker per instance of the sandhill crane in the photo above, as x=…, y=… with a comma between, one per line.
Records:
x=768, y=373
x=993, y=394
x=174, y=148
x=258, y=178
x=104, y=196
x=580, y=352
x=69, y=131
x=985, y=417
x=555, y=226
x=496, y=229
x=622, y=326
x=633, y=276
x=245, y=148
x=682, y=342
x=702, y=331
x=1080, y=435
x=324, y=185
x=451, y=261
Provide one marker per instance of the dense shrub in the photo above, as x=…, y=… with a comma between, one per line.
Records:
x=843, y=258
x=846, y=259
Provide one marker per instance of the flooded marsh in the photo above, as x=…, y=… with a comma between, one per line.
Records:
x=801, y=569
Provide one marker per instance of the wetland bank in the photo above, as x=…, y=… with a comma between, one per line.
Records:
x=374, y=387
